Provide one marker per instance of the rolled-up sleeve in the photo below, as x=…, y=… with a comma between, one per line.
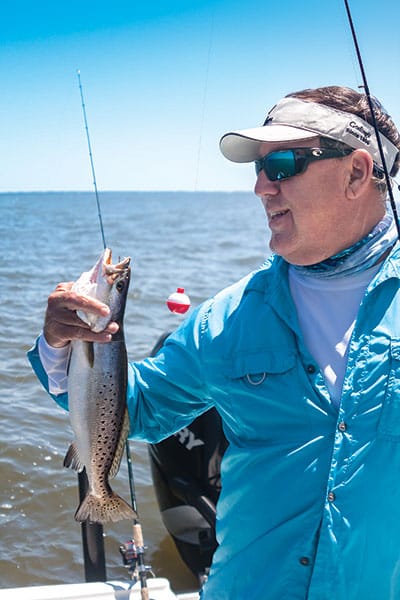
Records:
x=57, y=393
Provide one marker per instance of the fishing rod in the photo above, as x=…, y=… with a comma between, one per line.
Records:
x=132, y=551
x=91, y=161
x=373, y=117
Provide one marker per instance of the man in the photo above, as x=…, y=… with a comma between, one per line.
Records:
x=301, y=360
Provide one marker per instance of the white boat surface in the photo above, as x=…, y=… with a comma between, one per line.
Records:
x=159, y=589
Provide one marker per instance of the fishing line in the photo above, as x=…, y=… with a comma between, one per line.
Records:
x=374, y=123
x=91, y=160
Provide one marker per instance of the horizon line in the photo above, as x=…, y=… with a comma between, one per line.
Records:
x=129, y=191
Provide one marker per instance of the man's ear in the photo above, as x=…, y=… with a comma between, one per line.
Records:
x=360, y=166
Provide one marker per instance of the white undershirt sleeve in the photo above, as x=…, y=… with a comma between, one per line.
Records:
x=55, y=363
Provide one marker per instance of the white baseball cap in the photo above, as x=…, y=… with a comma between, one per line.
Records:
x=295, y=120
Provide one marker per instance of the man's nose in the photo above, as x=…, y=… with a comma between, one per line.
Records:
x=264, y=186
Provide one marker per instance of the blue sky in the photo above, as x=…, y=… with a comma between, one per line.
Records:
x=163, y=80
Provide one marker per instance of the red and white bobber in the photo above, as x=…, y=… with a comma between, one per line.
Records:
x=178, y=302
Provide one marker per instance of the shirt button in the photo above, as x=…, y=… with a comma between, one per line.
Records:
x=304, y=560
x=311, y=369
x=331, y=496
x=342, y=426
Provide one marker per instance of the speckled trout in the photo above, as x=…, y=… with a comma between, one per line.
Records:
x=97, y=380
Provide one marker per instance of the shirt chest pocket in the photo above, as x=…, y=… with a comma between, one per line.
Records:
x=389, y=423
x=254, y=369
x=265, y=396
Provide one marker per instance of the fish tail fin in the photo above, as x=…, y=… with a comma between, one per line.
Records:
x=104, y=509
x=72, y=459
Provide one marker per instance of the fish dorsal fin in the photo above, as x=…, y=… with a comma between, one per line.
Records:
x=72, y=459
x=121, y=446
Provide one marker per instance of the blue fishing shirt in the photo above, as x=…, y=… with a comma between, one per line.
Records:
x=310, y=501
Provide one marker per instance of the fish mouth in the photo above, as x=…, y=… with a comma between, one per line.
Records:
x=105, y=268
x=112, y=272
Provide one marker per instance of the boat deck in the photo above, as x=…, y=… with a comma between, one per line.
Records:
x=159, y=589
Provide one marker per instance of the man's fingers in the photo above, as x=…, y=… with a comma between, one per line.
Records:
x=62, y=323
x=64, y=299
x=58, y=335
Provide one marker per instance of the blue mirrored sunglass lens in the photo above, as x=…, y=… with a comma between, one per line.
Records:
x=280, y=165
x=277, y=165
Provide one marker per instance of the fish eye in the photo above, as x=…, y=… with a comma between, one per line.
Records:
x=120, y=286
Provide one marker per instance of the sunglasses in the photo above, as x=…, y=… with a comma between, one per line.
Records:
x=282, y=164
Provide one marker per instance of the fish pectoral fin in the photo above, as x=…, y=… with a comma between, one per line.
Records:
x=121, y=446
x=72, y=459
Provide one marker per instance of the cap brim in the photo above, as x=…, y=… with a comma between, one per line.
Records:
x=244, y=146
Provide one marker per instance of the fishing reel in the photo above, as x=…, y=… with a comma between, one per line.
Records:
x=129, y=555
x=133, y=560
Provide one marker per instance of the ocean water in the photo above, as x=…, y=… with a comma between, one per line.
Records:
x=199, y=241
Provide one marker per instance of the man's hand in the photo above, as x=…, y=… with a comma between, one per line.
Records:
x=62, y=323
